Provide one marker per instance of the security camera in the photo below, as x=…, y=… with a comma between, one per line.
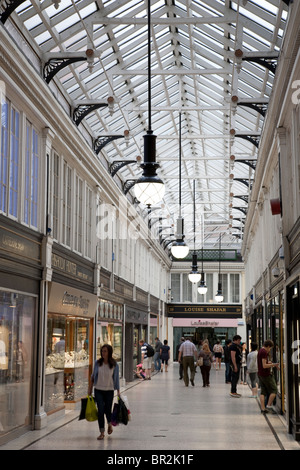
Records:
x=276, y=272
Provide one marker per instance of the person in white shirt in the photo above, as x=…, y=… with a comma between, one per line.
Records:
x=188, y=353
x=105, y=379
x=252, y=369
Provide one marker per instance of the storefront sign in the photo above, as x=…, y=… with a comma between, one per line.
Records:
x=202, y=311
x=71, y=268
x=211, y=324
x=19, y=245
x=206, y=322
x=70, y=301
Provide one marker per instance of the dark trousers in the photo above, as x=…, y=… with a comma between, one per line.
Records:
x=227, y=372
x=205, y=371
x=234, y=380
x=104, y=400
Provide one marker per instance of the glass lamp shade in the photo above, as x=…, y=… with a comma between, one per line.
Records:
x=149, y=188
x=202, y=289
x=219, y=296
x=180, y=250
x=194, y=276
x=149, y=191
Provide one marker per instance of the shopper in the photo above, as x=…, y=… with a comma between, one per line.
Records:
x=244, y=364
x=207, y=357
x=165, y=355
x=218, y=352
x=177, y=355
x=252, y=369
x=105, y=379
x=156, y=359
x=227, y=361
x=266, y=377
x=235, y=358
x=146, y=361
x=188, y=353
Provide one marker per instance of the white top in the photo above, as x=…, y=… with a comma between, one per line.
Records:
x=105, y=379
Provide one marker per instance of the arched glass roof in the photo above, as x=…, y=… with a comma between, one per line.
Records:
x=213, y=62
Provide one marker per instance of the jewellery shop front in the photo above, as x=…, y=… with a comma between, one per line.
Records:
x=70, y=325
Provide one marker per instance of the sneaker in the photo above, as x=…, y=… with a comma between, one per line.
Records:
x=271, y=409
x=192, y=382
x=236, y=395
x=264, y=411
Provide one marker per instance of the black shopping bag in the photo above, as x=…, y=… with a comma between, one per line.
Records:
x=83, y=408
x=123, y=412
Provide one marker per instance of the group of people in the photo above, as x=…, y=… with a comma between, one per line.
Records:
x=259, y=367
x=161, y=358
x=205, y=356
x=105, y=376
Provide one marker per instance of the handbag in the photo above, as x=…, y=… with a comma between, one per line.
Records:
x=200, y=362
x=115, y=415
x=91, y=412
x=123, y=412
x=83, y=408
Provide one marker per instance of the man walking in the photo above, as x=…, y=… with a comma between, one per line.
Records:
x=266, y=377
x=235, y=357
x=157, y=361
x=188, y=353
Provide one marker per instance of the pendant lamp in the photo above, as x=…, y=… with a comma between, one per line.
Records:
x=149, y=188
x=219, y=296
x=180, y=249
x=194, y=275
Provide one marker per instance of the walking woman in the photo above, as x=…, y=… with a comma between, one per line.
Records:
x=105, y=379
x=207, y=356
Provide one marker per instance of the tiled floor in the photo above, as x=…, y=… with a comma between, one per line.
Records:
x=166, y=415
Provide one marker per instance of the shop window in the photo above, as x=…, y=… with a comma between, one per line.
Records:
x=17, y=314
x=10, y=159
x=31, y=176
x=234, y=288
x=68, y=360
x=175, y=287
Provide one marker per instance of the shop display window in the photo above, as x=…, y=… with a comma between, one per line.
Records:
x=68, y=360
x=110, y=333
x=17, y=314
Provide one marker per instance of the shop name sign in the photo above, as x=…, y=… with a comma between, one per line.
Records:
x=75, y=301
x=205, y=323
x=71, y=268
x=204, y=310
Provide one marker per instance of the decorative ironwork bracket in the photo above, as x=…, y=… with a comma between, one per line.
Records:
x=269, y=62
x=118, y=164
x=82, y=110
x=128, y=184
x=103, y=140
x=251, y=163
x=244, y=181
x=242, y=209
x=254, y=139
x=54, y=62
x=244, y=198
x=259, y=107
x=9, y=7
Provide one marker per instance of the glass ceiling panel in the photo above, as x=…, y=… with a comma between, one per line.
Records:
x=194, y=71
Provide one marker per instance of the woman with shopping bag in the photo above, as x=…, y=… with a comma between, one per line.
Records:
x=105, y=379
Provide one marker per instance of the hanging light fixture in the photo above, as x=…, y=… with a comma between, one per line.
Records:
x=219, y=296
x=180, y=249
x=202, y=289
x=194, y=275
x=149, y=188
